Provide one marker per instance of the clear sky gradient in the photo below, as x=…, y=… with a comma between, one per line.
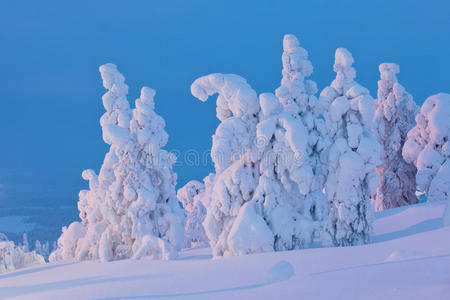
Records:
x=50, y=87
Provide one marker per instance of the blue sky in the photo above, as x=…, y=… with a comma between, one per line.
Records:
x=51, y=89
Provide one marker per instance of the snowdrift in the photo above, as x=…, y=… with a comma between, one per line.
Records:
x=409, y=258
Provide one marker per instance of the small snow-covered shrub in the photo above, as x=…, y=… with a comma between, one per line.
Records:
x=352, y=156
x=13, y=257
x=428, y=147
x=130, y=209
x=190, y=195
x=394, y=117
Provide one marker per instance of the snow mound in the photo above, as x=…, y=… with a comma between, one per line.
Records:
x=250, y=234
x=398, y=255
x=281, y=271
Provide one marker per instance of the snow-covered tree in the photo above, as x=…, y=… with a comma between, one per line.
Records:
x=13, y=257
x=130, y=209
x=283, y=193
x=236, y=175
x=428, y=147
x=26, y=246
x=297, y=96
x=290, y=138
x=42, y=248
x=352, y=157
x=267, y=192
x=394, y=117
x=190, y=195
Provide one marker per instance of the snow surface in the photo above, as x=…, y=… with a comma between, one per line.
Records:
x=409, y=258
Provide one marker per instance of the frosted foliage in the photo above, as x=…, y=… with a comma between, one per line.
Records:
x=296, y=93
x=352, y=157
x=306, y=174
x=130, y=209
x=284, y=195
x=267, y=191
x=297, y=96
x=237, y=108
x=115, y=120
x=13, y=257
x=191, y=196
x=428, y=147
x=236, y=172
x=394, y=117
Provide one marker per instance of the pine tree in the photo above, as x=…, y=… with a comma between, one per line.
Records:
x=428, y=147
x=267, y=192
x=236, y=175
x=351, y=158
x=190, y=195
x=394, y=117
x=26, y=247
x=130, y=209
x=282, y=142
x=297, y=96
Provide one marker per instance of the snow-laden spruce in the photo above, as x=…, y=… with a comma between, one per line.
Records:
x=290, y=138
x=130, y=209
x=394, y=117
x=352, y=157
x=237, y=174
x=267, y=192
x=297, y=95
x=283, y=195
x=428, y=147
x=13, y=257
x=191, y=195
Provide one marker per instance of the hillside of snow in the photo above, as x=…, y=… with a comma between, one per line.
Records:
x=409, y=258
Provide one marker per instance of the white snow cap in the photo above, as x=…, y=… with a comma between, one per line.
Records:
x=429, y=149
x=237, y=109
x=235, y=95
x=269, y=104
x=343, y=59
x=116, y=119
x=345, y=73
x=296, y=93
